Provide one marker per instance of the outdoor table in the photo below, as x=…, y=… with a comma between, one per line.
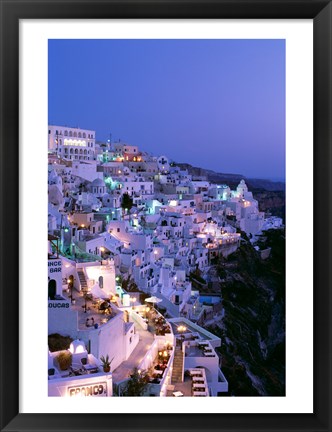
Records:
x=90, y=368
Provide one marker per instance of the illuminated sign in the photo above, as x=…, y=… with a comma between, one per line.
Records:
x=97, y=389
x=74, y=142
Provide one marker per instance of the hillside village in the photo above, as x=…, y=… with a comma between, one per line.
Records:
x=133, y=241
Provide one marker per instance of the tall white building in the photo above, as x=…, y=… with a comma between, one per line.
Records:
x=72, y=143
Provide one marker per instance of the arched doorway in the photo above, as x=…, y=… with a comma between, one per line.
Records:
x=51, y=289
x=101, y=282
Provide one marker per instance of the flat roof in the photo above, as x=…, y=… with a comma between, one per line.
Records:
x=193, y=328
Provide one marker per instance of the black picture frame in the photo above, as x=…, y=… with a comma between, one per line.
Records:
x=14, y=10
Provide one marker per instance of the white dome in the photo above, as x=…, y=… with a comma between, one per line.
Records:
x=98, y=182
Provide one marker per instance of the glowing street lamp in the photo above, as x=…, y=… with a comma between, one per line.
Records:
x=132, y=300
x=181, y=329
x=146, y=310
x=102, y=250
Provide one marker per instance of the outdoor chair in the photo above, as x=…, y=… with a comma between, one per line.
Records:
x=75, y=370
x=89, y=368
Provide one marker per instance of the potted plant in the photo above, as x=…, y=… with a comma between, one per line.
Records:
x=106, y=363
x=137, y=383
x=64, y=360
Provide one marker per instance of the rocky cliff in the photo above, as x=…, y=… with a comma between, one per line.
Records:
x=232, y=179
x=253, y=328
x=271, y=202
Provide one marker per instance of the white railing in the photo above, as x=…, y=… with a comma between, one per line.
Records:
x=139, y=320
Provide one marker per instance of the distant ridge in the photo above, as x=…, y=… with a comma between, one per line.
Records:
x=233, y=179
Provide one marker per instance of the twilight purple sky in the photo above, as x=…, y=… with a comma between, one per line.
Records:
x=217, y=104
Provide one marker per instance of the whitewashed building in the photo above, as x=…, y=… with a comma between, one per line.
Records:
x=71, y=143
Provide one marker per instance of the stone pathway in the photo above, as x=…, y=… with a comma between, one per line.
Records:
x=145, y=341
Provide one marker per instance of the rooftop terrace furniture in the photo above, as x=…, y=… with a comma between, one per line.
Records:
x=197, y=379
x=177, y=394
x=77, y=369
x=196, y=373
x=88, y=367
x=203, y=345
x=89, y=322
